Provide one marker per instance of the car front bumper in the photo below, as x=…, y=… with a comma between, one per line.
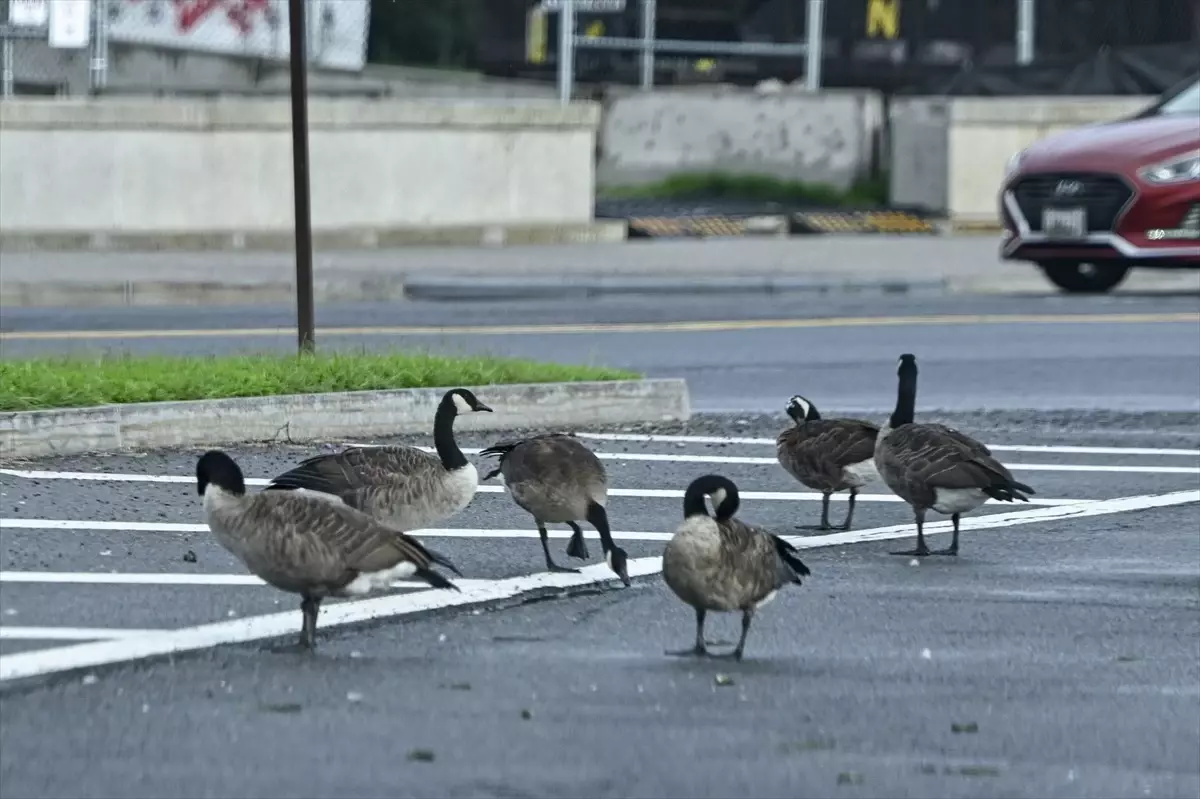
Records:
x=1147, y=226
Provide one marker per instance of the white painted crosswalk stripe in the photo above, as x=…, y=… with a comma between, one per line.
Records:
x=648, y=493
x=1048, y=449
x=255, y=628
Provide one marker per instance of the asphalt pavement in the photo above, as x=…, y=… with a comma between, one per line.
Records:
x=1120, y=352
x=807, y=266
x=1058, y=656
x=1062, y=651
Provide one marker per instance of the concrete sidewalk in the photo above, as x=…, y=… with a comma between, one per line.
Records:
x=811, y=264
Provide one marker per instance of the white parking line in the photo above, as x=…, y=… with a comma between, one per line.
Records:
x=90, y=655
x=9, y=633
x=648, y=493
x=166, y=578
x=756, y=461
x=1061, y=450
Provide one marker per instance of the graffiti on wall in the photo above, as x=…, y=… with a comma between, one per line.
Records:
x=256, y=28
x=188, y=14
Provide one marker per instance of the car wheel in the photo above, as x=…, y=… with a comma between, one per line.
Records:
x=1083, y=278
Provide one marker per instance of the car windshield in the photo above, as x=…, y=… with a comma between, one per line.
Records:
x=1186, y=102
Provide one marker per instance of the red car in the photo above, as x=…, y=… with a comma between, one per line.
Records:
x=1090, y=204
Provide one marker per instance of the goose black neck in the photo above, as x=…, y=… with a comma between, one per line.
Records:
x=443, y=436
x=906, y=399
x=597, y=517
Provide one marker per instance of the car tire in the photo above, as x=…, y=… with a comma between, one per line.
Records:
x=1079, y=277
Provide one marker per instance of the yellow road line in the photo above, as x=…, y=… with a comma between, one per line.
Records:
x=616, y=327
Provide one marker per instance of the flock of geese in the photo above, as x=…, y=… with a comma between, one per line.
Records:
x=337, y=525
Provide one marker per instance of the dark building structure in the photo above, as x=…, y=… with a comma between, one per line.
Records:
x=937, y=46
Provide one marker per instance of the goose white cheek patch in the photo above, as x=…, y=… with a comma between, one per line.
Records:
x=461, y=404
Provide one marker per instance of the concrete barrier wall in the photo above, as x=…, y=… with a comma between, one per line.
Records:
x=195, y=166
x=949, y=154
x=791, y=134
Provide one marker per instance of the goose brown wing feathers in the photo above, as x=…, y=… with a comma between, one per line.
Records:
x=819, y=450
x=344, y=474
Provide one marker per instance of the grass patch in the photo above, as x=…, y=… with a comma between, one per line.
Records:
x=74, y=382
x=759, y=188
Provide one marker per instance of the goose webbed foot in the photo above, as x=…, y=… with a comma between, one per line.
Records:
x=920, y=552
x=698, y=649
x=951, y=550
x=736, y=654
x=551, y=566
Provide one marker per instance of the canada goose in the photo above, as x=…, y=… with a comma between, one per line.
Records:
x=935, y=467
x=827, y=455
x=306, y=545
x=557, y=479
x=723, y=564
x=405, y=487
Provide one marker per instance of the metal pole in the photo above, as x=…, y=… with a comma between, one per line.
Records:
x=566, y=50
x=1025, y=31
x=98, y=73
x=6, y=67
x=649, y=15
x=814, y=29
x=305, y=314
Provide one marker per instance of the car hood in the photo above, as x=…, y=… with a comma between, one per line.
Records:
x=1124, y=143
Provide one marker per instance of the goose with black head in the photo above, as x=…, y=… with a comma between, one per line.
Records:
x=720, y=563
x=934, y=467
x=402, y=486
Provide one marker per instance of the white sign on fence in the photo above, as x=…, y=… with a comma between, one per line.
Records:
x=70, y=23
x=29, y=13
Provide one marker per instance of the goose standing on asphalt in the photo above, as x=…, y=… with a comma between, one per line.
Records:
x=307, y=545
x=557, y=479
x=402, y=486
x=827, y=455
x=935, y=467
x=719, y=563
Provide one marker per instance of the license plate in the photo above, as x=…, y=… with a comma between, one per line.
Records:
x=1064, y=223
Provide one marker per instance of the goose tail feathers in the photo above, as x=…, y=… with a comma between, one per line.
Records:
x=791, y=560
x=1012, y=491
x=436, y=580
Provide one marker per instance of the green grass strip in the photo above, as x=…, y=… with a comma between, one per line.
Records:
x=74, y=381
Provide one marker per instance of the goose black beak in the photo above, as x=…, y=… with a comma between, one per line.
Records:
x=479, y=406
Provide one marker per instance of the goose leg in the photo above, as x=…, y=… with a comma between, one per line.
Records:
x=550, y=564
x=310, y=607
x=824, y=525
x=921, y=550
x=953, y=548
x=698, y=649
x=850, y=512
x=577, y=547
x=736, y=654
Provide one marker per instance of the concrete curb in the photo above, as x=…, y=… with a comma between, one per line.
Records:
x=490, y=288
x=140, y=294
x=599, y=231
x=348, y=415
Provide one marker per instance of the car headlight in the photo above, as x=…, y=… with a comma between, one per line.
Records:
x=1179, y=169
x=1014, y=163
